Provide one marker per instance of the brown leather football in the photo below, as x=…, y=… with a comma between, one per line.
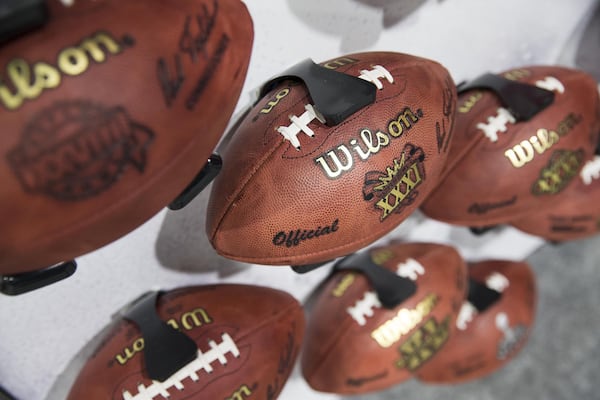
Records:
x=575, y=214
x=355, y=345
x=296, y=191
x=487, y=340
x=500, y=169
x=108, y=112
x=247, y=339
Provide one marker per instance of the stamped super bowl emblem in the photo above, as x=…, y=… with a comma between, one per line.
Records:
x=75, y=150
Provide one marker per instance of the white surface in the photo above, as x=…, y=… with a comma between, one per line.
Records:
x=42, y=332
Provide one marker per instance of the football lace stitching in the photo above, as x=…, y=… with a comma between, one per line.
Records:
x=300, y=124
x=496, y=281
x=365, y=307
x=591, y=171
x=498, y=123
x=217, y=352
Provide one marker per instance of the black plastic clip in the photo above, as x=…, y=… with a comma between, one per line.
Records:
x=21, y=16
x=481, y=296
x=522, y=100
x=391, y=289
x=306, y=268
x=336, y=95
x=482, y=230
x=166, y=350
x=25, y=282
x=208, y=173
x=4, y=395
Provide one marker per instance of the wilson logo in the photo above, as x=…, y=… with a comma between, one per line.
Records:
x=25, y=81
x=337, y=161
x=187, y=321
x=242, y=393
x=524, y=152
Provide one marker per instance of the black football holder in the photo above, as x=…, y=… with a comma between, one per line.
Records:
x=166, y=349
x=391, y=288
x=481, y=296
x=17, y=18
x=522, y=100
x=4, y=395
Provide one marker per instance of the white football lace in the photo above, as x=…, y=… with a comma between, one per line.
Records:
x=551, y=83
x=591, y=171
x=300, y=124
x=465, y=315
x=498, y=123
x=502, y=323
x=365, y=307
x=374, y=75
x=496, y=281
x=217, y=352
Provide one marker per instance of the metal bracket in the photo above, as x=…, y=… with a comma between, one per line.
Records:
x=336, y=95
x=391, y=289
x=166, y=350
x=14, y=285
x=522, y=100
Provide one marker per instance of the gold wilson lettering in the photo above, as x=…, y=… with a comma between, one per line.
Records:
x=242, y=393
x=274, y=101
x=187, y=321
x=339, y=62
x=524, y=152
x=366, y=145
x=517, y=74
x=423, y=344
x=470, y=103
x=380, y=256
x=343, y=285
x=405, y=320
x=24, y=81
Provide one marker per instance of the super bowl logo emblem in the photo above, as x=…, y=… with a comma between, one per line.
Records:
x=423, y=344
x=395, y=188
x=75, y=150
x=563, y=166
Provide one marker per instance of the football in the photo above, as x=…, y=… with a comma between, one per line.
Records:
x=109, y=111
x=486, y=340
x=356, y=345
x=500, y=169
x=247, y=339
x=295, y=191
x=575, y=214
